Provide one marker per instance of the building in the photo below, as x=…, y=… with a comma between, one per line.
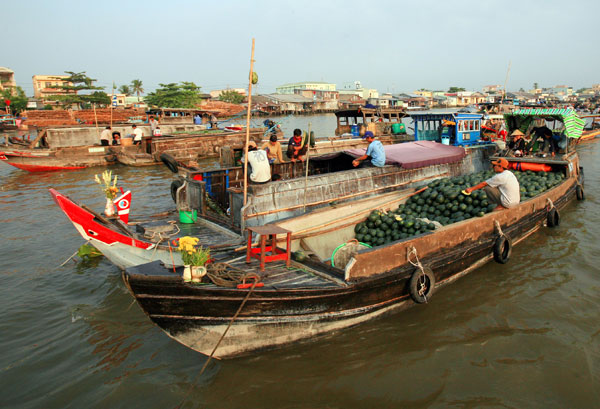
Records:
x=45, y=86
x=324, y=101
x=288, y=89
x=357, y=89
x=7, y=79
x=492, y=88
x=217, y=93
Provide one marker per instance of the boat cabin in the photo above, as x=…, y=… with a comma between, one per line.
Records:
x=380, y=121
x=449, y=128
x=169, y=116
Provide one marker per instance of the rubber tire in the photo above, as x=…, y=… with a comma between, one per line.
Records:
x=553, y=218
x=579, y=192
x=502, y=249
x=414, y=285
x=169, y=162
x=176, y=184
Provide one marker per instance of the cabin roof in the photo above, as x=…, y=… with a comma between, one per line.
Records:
x=573, y=124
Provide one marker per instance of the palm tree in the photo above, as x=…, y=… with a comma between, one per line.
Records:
x=124, y=89
x=136, y=86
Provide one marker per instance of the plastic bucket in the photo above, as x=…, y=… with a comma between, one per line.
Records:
x=398, y=128
x=188, y=217
x=354, y=130
x=445, y=140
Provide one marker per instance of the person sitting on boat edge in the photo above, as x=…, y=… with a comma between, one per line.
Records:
x=375, y=153
x=296, y=149
x=517, y=145
x=105, y=136
x=116, y=138
x=501, y=189
x=273, y=149
x=259, y=169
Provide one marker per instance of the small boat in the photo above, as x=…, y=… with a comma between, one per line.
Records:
x=280, y=302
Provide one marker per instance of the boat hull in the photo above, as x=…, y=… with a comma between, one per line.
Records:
x=376, y=282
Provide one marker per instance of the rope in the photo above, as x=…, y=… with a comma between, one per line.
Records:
x=550, y=204
x=226, y=275
x=161, y=239
x=220, y=339
x=413, y=251
x=499, y=229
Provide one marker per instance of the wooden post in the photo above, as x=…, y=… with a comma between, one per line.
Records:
x=248, y=126
x=96, y=118
x=307, y=159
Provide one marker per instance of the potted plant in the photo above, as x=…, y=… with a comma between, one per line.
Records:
x=109, y=187
x=194, y=258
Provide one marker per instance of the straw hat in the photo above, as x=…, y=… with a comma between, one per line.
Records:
x=517, y=132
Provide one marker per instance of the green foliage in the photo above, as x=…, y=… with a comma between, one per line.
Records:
x=47, y=107
x=535, y=85
x=196, y=258
x=87, y=251
x=18, y=100
x=173, y=95
x=81, y=84
x=231, y=96
x=136, y=87
x=124, y=89
x=456, y=89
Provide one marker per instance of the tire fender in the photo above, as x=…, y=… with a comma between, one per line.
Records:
x=553, y=217
x=421, y=285
x=579, y=192
x=169, y=162
x=176, y=184
x=502, y=249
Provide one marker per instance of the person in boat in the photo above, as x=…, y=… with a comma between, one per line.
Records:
x=105, y=137
x=375, y=155
x=539, y=131
x=501, y=189
x=116, y=138
x=138, y=134
x=296, y=148
x=259, y=169
x=517, y=144
x=213, y=121
x=153, y=124
x=273, y=149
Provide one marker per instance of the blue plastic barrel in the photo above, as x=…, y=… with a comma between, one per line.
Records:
x=354, y=130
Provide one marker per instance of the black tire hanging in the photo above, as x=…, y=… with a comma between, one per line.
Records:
x=421, y=285
x=176, y=184
x=169, y=162
x=502, y=249
x=579, y=192
x=553, y=218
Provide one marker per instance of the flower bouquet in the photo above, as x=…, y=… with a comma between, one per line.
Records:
x=194, y=258
x=110, y=189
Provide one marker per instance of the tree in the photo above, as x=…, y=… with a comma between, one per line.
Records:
x=18, y=100
x=136, y=87
x=124, y=89
x=521, y=89
x=535, y=85
x=231, y=96
x=455, y=89
x=81, y=83
x=173, y=95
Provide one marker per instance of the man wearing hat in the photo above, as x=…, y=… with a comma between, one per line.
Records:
x=501, y=189
x=260, y=171
x=375, y=152
x=517, y=145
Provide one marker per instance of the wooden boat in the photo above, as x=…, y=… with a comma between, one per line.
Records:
x=383, y=122
x=282, y=305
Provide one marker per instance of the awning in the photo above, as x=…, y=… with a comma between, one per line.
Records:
x=573, y=124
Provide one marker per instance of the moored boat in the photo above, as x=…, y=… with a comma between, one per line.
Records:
x=316, y=296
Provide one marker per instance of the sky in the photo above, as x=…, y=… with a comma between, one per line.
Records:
x=392, y=46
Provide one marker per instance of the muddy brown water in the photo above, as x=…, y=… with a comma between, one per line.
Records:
x=524, y=334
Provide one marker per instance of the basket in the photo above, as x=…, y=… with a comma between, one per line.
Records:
x=344, y=252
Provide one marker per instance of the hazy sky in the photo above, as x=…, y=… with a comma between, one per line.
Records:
x=394, y=46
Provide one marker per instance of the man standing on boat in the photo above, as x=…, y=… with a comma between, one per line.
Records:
x=501, y=189
x=137, y=135
x=375, y=152
x=153, y=125
x=260, y=170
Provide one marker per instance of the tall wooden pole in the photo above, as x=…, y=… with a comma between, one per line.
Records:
x=307, y=159
x=96, y=118
x=111, y=104
x=248, y=126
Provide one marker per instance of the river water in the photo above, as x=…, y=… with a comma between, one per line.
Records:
x=524, y=334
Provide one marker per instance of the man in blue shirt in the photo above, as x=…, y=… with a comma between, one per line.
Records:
x=375, y=152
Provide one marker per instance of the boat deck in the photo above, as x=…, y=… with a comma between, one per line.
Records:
x=276, y=276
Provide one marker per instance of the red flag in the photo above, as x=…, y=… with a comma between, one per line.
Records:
x=123, y=204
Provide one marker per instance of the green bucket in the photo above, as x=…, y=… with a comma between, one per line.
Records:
x=398, y=128
x=188, y=217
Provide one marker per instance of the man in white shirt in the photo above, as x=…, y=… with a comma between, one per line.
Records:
x=502, y=188
x=105, y=137
x=137, y=135
x=259, y=163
